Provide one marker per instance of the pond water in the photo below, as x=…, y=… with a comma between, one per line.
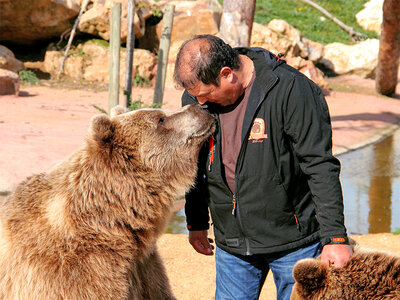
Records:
x=370, y=179
x=371, y=187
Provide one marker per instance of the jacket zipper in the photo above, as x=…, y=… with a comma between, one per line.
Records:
x=211, y=150
x=297, y=222
x=235, y=213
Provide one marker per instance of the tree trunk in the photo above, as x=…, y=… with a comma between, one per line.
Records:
x=389, y=49
x=237, y=22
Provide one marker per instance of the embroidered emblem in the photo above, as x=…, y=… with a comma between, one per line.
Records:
x=258, y=130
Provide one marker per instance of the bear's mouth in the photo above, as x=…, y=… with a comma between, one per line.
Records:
x=204, y=133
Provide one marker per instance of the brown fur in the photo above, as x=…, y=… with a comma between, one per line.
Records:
x=88, y=228
x=366, y=275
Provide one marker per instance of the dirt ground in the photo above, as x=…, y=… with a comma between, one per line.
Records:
x=192, y=275
x=45, y=124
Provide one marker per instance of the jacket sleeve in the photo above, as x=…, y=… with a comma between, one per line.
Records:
x=196, y=205
x=308, y=125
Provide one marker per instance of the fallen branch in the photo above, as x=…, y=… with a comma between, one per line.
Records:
x=356, y=36
x=71, y=37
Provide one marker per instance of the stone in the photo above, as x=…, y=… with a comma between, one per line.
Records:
x=370, y=18
x=280, y=37
x=203, y=13
x=26, y=22
x=91, y=63
x=96, y=20
x=359, y=59
x=9, y=83
x=8, y=60
x=308, y=68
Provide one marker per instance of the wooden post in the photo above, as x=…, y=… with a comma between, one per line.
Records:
x=389, y=49
x=163, y=53
x=115, y=45
x=130, y=46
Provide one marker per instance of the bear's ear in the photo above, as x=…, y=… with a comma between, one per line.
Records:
x=102, y=129
x=310, y=273
x=118, y=110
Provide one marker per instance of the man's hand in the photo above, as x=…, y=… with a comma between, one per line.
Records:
x=336, y=254
x=200, y=242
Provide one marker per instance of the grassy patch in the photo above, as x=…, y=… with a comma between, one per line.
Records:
x=313, y=24
x=28, y=76
x=397, y=231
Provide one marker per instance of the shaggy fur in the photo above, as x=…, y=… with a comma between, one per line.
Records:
x=88, y=228
x=367, y=275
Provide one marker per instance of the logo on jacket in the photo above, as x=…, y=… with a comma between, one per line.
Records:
x=258, y=131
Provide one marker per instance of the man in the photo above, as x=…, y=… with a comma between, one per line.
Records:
x=268, y=176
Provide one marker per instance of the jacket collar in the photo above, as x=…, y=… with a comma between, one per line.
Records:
x=264, y=63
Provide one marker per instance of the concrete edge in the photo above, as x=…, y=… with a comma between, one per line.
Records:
x=372, y=140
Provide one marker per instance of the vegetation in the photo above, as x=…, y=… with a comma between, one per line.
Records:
x=141, y=81
x=28, y=76
x=397, y=231
x=313, y=24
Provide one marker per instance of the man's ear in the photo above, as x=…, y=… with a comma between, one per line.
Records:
x=226, y=73
x=102, y=129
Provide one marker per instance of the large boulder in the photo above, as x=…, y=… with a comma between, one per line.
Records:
x=280, y=37
x=370, y=18
x=8, y=60
x=90, y=62
x=191, y=18
x=359, y=59
x=9, y=83
x=26, y=22
x=96, y=19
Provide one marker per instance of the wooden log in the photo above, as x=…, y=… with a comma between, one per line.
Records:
x=389, y=49
x=163, y=53
x=71, y=37
x=115, y=45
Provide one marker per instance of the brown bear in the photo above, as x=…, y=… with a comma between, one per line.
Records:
x=87, y=229
x=368, y=274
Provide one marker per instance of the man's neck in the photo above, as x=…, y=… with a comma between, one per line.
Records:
x=246, y=70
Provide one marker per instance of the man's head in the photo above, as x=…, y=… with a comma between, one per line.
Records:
x=205, y=67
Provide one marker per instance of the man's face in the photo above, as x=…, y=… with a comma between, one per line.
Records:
x=226, y=93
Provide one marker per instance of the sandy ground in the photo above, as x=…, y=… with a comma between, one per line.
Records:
x=192, y=275
x=44, y=125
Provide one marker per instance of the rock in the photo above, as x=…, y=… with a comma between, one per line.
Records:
x=280, y=37
x=202, y=13
x=370, y=18
x=90, y=62
x=309, y=69
x=262, y=36
x=8, y=60
x=360, y=59
x=9, y=83
x=26, y=22
x=96, y=20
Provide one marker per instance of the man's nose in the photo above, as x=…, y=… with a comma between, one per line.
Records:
x=201, y=100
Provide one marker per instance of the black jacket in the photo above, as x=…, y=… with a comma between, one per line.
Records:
x=287, y=184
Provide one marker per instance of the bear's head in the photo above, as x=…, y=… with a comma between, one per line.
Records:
x=150, y=139
x=311, y=276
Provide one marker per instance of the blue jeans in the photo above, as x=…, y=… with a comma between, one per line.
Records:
x=242, y=277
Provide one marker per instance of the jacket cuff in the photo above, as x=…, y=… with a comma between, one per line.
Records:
x=335, y=240
x=196, y=227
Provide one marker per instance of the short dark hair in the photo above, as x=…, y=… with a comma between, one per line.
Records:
x=205, y=64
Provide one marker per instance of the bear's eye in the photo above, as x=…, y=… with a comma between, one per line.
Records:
x=161, y=120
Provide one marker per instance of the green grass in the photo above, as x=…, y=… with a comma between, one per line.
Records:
x=397, y=231
x=308, y=20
